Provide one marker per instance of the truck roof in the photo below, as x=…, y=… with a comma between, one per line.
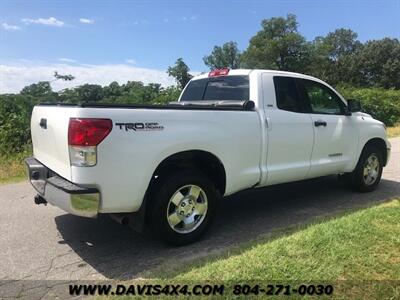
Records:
x=248, y=71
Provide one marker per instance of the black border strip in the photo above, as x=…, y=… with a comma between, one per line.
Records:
x=243, y=107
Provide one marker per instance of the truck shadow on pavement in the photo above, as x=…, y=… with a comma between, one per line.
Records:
x=117, y=252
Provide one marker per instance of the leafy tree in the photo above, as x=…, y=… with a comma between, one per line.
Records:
x=332, y=57
x=227, y=56
x=40, y=89
x=379, y=63
x=112, y=91
x=15, y=115
x=132, y=86
x=40, y=92
x=339, y=43
x=88, y=93
x=132, y=92
x=180, y=71
x=137, y=92
x=277, y=46
x=167, y=95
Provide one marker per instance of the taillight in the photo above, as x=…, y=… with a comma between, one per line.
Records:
x=84, y=134
x=88, y=132
x=218, y=72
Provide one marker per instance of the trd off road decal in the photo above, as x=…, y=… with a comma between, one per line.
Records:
x=140, y=126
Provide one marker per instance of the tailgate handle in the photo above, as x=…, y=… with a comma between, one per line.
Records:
x=43, y=123
x=319, y=123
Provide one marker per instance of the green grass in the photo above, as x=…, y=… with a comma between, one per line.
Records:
x=361, y=245
x=358, y=253
x=393, y=131
x=12, y=167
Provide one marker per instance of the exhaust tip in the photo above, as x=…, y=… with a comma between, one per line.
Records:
x=39, y=200
x=120, y=218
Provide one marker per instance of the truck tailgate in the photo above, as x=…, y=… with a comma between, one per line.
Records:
x=49, y=126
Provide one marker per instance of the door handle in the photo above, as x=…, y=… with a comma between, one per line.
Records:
x=43, y=123
x=268, y=123
x=319, y=123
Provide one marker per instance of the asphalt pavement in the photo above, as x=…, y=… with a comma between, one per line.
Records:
x=45, y=243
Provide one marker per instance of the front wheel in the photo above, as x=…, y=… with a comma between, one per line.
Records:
x=182, y=207
x=368, y=172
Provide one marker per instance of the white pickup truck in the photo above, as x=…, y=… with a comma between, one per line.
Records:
x=167, y=166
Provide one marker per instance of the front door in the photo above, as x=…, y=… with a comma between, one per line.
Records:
x=335, y=136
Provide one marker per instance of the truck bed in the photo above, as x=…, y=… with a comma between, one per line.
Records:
x=128, y=156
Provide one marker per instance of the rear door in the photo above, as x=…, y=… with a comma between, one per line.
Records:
x=290, y=135
x=335, y=136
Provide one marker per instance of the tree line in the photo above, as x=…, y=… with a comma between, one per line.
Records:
x=337, y=58
x=367, y=71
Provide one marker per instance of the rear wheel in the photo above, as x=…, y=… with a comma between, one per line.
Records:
x=182, y=207
x=368, y=172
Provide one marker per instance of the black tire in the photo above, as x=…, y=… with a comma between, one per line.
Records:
x=160, y=206
x=358, y=179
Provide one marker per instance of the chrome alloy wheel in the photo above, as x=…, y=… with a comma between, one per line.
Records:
x=371, y=169
x=187, y=208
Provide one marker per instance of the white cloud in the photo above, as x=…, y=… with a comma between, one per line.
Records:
x=10, y=27
x=13, y=77
x=130, y=61
x=141, y=22
x=86, y=21
x=191, y=18
x=68, y=60
x=51, y=21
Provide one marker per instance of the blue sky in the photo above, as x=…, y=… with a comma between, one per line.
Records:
x=149, y=36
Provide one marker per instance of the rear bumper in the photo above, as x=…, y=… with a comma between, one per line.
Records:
x=72, y=198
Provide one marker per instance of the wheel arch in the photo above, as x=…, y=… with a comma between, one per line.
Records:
x=380, y=144
x=207, y=162
x=204, y=161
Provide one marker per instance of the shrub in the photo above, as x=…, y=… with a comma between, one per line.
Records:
x=15, y=115
x=16, y=109
x=382, y=104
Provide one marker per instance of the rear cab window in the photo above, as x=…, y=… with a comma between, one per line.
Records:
x=288, y=96
x=234, y=87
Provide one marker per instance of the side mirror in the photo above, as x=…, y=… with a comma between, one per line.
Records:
x=353, y=105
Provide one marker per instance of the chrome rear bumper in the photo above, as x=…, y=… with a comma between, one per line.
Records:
x=72, y=198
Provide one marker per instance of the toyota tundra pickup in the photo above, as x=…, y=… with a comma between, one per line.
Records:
x=167, y=166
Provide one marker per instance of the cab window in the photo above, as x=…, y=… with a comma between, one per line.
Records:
x=287, y=95
x=233, y=87
x=322, y=99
